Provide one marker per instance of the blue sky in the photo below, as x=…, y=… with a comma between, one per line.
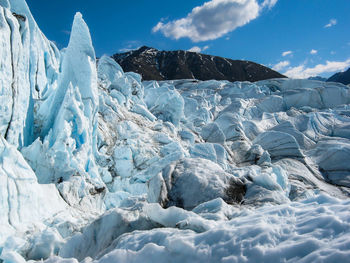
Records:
x=300, y=38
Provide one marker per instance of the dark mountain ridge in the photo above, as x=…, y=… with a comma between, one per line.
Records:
x=342, y=77
x=153, y=64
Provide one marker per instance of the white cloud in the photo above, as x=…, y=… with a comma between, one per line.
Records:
x=281, y=65
x=269, y=3
x=331, y=23
x=313, y=52
x=286, y=53
x=198, y=49
x=130, y=45
x=302, y=72
x=195, y=49
x=66, y=32
x=158, y=27
x=124, y=50
x=213, y=19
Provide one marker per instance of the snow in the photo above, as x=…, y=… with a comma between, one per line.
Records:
x=98, y=166
x=312, y=230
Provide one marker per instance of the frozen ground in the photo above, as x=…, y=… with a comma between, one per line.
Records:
x=97, y=166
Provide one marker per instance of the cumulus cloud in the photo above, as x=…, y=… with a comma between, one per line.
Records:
x=313, y=52
x=302, y=72
x=213, y=19
x=281, y=65
x=331, y=23
x=286, y=53
x=198, y=49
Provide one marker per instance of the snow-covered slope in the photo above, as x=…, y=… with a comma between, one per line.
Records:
x=99, y=166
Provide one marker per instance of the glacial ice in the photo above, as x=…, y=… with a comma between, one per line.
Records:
x=25, y=204
x=204, y=176
x=309, y=231
x=98, y=166
x=29, y=67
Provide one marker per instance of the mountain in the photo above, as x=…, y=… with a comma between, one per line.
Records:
x=342, y=77
x=98, y=166
x=153, y=64
x=319, y=78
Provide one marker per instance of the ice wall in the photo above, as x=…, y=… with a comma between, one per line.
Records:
x=23, y=201
x=29, y=64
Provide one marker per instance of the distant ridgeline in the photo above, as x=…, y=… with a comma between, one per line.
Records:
x=342, y=77
x=153, y=64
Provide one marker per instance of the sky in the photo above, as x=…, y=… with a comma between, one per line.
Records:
x=299, y=38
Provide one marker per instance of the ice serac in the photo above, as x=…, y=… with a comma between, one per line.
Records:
x=78, y=68
x=165, y=102
x=29, y=64
x=69, y=118
x=44, y=59
x=14, y=79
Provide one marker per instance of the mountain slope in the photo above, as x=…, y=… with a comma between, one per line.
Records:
x=153, y=64
x=342, y=77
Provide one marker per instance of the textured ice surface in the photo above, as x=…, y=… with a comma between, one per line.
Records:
x=204, y=177
x=313, y=230
x=25, y=204
x=96, y=165
x=29, y=66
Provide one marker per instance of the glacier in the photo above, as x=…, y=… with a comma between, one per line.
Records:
x=98, y=166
